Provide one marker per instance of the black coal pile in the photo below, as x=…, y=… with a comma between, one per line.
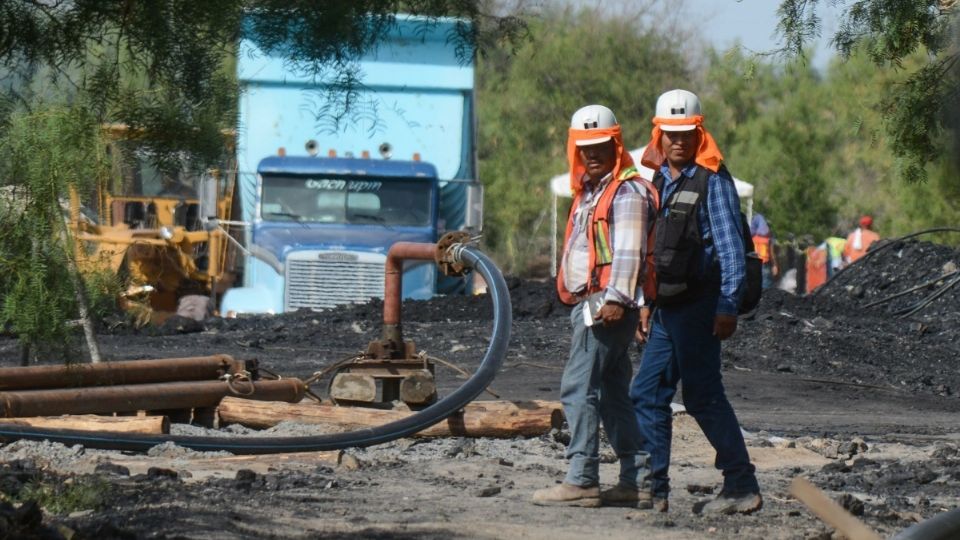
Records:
x=908, y=280
x=836, y=334
x=859, y=329
x=530, y=299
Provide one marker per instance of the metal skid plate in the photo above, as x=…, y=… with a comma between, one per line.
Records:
x=410, y=381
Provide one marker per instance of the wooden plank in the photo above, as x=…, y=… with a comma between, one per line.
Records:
x=157, y=425
x=478, y=419
x=831, y=512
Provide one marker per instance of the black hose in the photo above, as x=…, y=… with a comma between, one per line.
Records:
x=910, y=310
x=910, y=290
x=489, y=366
x=872, y=252
x=943, y=526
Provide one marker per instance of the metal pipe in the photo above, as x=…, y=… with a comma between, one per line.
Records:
x=116, y=373
x=492, y=360
x=393, y=284
x=144, y=397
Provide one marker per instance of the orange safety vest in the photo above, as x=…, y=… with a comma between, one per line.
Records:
x=598, y=238
x=867, y=237
x=761, y=244
x=816, y=268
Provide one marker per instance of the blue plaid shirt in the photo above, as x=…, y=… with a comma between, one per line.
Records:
x=720, y=221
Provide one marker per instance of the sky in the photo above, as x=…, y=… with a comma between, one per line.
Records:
x=754, y=23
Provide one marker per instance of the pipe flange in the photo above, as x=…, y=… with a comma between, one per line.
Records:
x=447, y=255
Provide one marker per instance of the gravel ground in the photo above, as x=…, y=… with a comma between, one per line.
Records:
x=861, y=401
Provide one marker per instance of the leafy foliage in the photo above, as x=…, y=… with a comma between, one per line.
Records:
x=64, y=497
x=815, y=146
x=45, y=153
x=525, y=100
x=889, y=32
x=164, y=68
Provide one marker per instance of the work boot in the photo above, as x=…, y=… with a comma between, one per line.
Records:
x=568, y=495
x=621, y=495
x=734, y=503
x=660, y=504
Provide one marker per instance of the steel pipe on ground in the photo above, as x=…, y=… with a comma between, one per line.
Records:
x=195, y=368
x=442, y=409
x=143, y=397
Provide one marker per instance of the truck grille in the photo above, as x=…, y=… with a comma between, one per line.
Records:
x=323, y=279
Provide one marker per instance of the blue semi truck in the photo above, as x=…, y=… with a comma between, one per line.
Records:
x=323, y=198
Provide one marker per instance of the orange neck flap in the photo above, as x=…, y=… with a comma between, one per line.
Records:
x=578, y=169
x=708, y=154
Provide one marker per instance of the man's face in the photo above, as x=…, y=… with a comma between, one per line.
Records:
x=599, y=159
x=680, y=146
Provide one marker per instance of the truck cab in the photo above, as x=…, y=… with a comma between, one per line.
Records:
x=328, y=180
x=322, y=228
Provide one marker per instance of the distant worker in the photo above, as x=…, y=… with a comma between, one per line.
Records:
x=816, y=265
x=601, y=273
x=765, y=246
x=700, y=274
x=859, y=241
x=789, y=259
x=834, y=245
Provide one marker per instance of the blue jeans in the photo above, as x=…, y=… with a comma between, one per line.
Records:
x=766, y=272
x=595, y=386
x=682, y=346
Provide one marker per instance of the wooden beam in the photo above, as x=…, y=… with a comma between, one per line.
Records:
x=157, y=425
x=478, y=419
x=830, y=512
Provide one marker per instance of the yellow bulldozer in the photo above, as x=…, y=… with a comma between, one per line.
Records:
x=165, y=237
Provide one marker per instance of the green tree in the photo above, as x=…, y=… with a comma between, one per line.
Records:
x=918, y=109
x=574, y=57
x=46, y=152
x=774, y=134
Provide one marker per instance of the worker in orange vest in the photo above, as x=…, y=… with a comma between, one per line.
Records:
x=602, y=274
x=858, y=242
x=764, y=244
x=816, y=267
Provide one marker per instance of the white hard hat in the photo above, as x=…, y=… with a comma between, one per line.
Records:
x=678, y=104
x=593, y=117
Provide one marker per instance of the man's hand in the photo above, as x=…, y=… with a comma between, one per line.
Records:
x=610, y=313
x=643, y=329
x=724, y=326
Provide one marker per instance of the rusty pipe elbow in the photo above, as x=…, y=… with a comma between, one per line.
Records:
x=393, y=276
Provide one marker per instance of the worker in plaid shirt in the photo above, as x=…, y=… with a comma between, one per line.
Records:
x=601, y=274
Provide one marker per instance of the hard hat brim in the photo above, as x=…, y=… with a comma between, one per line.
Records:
x=684, y=127
x=598, y=140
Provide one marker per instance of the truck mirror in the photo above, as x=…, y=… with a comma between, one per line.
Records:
x=473, y=221
x=208, y=199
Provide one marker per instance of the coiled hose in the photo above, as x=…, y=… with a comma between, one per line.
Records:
x=489, y=366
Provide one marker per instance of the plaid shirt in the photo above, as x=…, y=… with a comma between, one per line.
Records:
x=720, y=229
x=629, y=224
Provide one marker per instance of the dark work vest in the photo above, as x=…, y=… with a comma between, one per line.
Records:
x=678, y=244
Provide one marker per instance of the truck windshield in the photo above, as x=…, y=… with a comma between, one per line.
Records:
x=384, y=201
